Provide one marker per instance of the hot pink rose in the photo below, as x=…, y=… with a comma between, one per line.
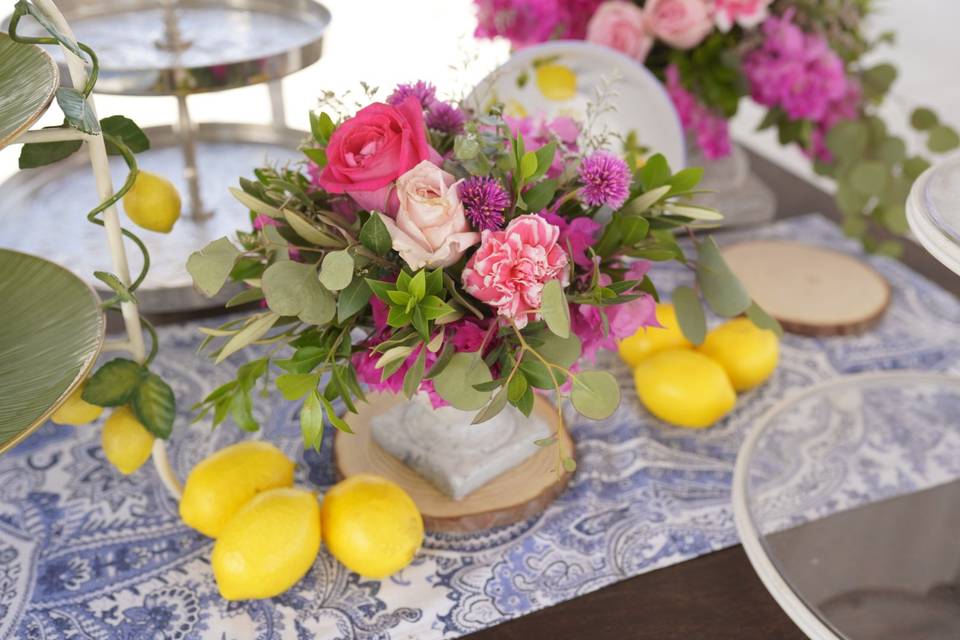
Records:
x=370, y=150
x=511, y=267
x=621, y=25
x=431, y=228
x=682, y=24
x=746, y=13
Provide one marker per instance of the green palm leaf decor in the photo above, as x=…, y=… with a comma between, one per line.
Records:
x=51, y=331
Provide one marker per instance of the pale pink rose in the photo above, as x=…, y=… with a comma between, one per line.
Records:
x=621, y=25
x=682, y=24
x=511, y=267
x=431, y=228
x=746, y=13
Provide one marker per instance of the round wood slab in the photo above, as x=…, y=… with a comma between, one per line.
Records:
x=810, y=290
x=518, y=494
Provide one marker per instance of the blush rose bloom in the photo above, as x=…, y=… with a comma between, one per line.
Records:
x=682, y=24
x=511, y=267
x=369, y=151
x=747, y=13
x=431, y=228
x=621, y=26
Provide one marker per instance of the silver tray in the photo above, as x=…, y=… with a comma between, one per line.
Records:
x=45, y=209
x=227, y=43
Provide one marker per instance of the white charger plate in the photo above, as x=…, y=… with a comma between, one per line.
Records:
x=639, y=101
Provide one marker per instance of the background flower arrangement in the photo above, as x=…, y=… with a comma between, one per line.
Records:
x=421, y=248
x=803, y=60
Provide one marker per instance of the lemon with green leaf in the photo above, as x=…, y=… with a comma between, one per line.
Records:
x=76, y=411
x=153, y=203
x=126, y=442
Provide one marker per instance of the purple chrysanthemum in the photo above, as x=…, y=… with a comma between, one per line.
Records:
x=445, y=117
x=606, y=180
x=424, y=92
x=484, y=201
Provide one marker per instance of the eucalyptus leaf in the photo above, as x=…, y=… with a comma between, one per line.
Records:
x=308, y=231
x=311, y=421
x=253, y=294
x=336, y=271
x=249, y=334
x=595, y=394
x=211, y=266
x=763, y=320
x=255, y=205
x=942, y=139
x=352, y=299
x=720, y=287
x=455, y=382
x=492, y=408
x=690, y=316
x=555, y=309
x=293, y=289
x=563, y=352
x=923, y=119
x=870, y=178
x=374, y=235
x=155, y=405
x=294, y=386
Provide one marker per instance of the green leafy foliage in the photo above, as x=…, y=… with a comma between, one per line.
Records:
x=154, y=404
x=720, y=287
x=77, y=111
x=595, y=394
x=211, y=266
x=555, y=310
x=456, y=382
x=690, y=316
x=127, y=132
x=114, y=383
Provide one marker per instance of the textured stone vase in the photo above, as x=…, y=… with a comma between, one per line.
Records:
x=455, y=456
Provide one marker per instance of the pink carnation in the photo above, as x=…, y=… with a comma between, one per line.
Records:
x=511, y=267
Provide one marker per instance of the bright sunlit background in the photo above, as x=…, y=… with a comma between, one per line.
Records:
x=388, y=41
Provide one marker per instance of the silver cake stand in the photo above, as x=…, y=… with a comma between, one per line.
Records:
x=174, y=48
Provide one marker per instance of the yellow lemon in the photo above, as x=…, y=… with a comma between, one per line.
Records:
x=268, y=545
x=153, y=203
x=126, y=443
x=649, y=340
x=684, y=387
x=556, y=81
x=222, y=483
x=748, y=353
x=371, y=525
x=76, y=411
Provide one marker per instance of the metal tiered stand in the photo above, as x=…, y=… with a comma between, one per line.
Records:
x=175, y=48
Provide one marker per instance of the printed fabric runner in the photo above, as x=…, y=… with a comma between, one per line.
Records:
x=88, y=553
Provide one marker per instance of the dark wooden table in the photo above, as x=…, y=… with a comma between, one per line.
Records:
x=713, y=597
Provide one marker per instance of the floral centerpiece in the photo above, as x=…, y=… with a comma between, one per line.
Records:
x=802, y=60
x=476, y=259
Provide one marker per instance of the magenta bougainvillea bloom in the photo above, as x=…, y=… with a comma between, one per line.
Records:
x=424, y=92
x=484, y=201
x=606, y=180
x=527, y=22
x=708, y=128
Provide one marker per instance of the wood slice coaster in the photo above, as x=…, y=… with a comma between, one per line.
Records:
x=810, y=290
x=518, y=494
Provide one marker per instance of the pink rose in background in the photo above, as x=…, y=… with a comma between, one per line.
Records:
x=622, y=26
x=511, y=267
x=372, y=149
x=682, y=24
x=746, y=13
x=431, y=227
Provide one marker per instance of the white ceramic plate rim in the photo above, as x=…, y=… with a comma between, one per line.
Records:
x=622, y=61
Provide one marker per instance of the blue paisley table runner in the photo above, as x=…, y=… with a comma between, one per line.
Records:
x=88, y=553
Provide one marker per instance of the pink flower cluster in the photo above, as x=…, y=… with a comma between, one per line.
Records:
x=527, y=22
x=710, y=129
x=799, y=73
x=538, y=131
